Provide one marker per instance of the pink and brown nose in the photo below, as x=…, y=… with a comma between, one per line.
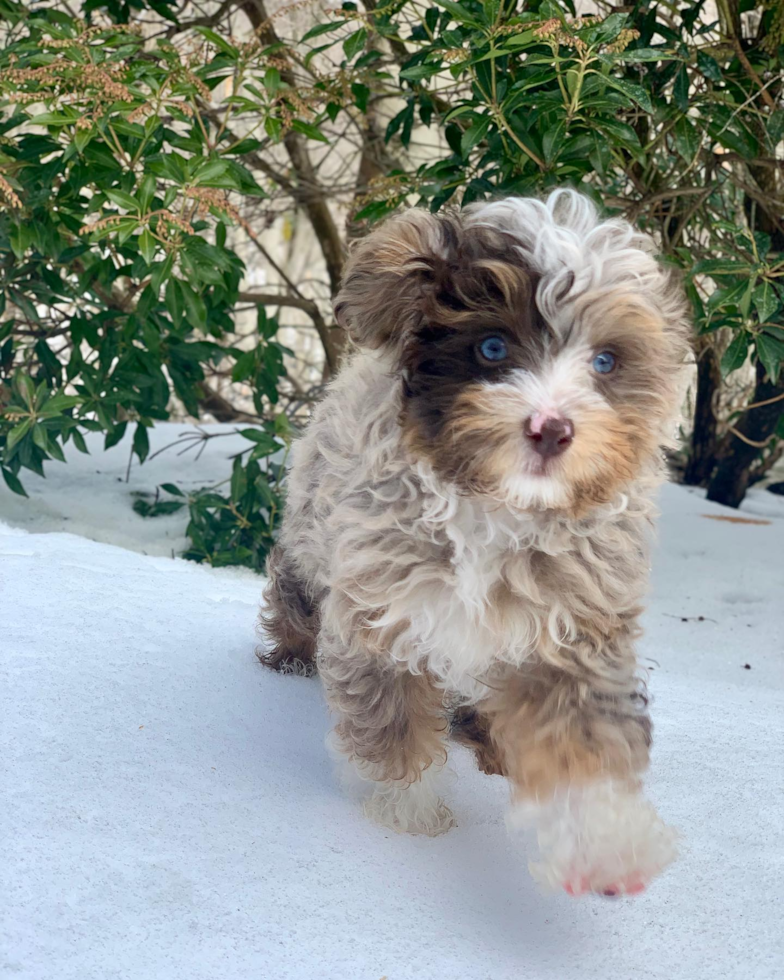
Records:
x=549, y=435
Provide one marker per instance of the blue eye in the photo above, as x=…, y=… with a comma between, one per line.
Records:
x=604, y=362
x=493, y=349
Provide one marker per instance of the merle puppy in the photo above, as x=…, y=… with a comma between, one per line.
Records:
x=465, y=547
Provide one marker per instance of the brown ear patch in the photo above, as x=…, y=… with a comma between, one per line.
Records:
x=387, y=274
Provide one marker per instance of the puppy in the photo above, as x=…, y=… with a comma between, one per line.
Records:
x=465, y=545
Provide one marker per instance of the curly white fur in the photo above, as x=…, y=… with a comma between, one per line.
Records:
x=597, y=837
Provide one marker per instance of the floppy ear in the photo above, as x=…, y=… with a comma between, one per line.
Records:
x=387, y=276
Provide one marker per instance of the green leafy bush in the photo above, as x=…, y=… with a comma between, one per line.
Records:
x=118, y=283
x=134, y=143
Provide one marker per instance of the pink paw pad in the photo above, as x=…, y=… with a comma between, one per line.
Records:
x=582, y=886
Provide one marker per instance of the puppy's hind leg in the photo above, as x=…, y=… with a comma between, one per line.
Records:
x=390, y=737
x=289, y=618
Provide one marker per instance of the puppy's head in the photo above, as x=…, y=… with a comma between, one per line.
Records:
x=538, y=347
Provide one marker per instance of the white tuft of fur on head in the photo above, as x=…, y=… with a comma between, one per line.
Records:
x=575, y=251
x=598, y=837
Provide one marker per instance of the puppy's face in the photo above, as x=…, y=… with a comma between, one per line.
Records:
x=523, y=378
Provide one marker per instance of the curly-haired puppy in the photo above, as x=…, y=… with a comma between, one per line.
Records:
x=465, y=547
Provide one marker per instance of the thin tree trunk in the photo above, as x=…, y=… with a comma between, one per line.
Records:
x=311, y=196
x=731, y=479
x=704, y=439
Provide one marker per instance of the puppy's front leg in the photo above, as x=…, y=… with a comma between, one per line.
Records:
x=574, y=745
x=390, y=734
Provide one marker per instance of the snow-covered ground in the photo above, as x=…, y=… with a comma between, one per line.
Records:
x=170, y=811
x=92, y=495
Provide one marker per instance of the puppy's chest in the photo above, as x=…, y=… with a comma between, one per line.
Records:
x=491, y=606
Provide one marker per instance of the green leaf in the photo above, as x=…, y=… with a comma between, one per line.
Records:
x=82, y=137
x=607, y=31
x=115, y=435
x=195, y=310
x=776, y=126
x=680, y=90
x=18, y=433
x=220, y=43
x=475, y=133
x=64, y=118
x=141, y=442
x=320, y=29
x=639, y=55
x=147, y=245
x=766, y=301
x=744, y=304
x=57, y=404
x=361, y=95
x=520, y=40
x=635, y=92
x=79, y=442
x=146, y=193
x=239, y=481
x=160, y=507
x=161, y=272
x=419, y=72
x=733, y=295
x=459, y=110
x=459, y=13
x=687, y=138
x=273, y=128
x=13, y=483
x=174, y=301
x=123, y=200
x=211, y=170
x=308, y=129
x=172, y=489
x=272, y=80
x=708, y=66
x=718, y=267
x=771, y=352
x=261, y=438
x=355, y=43
x=25, y=386
x=735, y=355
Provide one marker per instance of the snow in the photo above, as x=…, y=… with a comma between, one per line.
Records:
x=172, y=813
x=92, y=495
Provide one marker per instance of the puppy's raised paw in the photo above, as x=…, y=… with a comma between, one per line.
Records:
x=598, y=838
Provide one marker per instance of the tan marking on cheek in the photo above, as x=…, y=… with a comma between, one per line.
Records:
x=606, y=455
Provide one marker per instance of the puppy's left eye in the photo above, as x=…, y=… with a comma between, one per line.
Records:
x=604, y=362
x=494, y=349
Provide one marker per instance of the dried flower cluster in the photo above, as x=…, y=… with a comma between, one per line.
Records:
x=386, y=187
x=624, y=39
x=212, y=197
x=67, y=83
x=8, y=195
x=555, y=32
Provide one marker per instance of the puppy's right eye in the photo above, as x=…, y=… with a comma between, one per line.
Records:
x=494, y=349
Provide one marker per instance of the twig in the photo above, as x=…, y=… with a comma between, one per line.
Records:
x=275, y=299
x=767, y=98
x=767, y=401
x=752, y=442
